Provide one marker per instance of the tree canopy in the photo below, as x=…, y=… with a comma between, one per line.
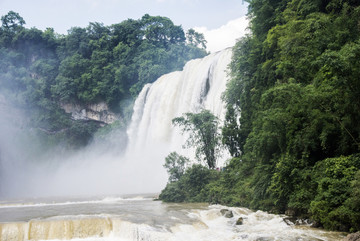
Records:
x=42, y=70
x=294, y=92
x=202, y=129
x=293, y=113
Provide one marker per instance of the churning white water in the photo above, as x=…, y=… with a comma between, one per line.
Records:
x=199, y=86
x=134, y=218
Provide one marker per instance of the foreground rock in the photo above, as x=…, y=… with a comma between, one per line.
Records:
x=353, y=237
x=226, y=213
x=240, y=221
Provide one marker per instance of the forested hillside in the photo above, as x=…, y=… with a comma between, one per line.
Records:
x=296, y=84
x=39, y=70
x=293, y=120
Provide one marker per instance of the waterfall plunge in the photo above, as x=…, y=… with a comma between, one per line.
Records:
x=98, y=169
x=199, y=86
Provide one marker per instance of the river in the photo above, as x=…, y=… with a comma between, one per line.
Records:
x=152, y=137
x=139, y=217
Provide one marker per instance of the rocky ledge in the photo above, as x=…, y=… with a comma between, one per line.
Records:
x=96, y=112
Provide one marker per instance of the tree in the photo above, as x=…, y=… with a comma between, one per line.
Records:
x=196, y=39
x=88, y=65
x=175, y=165
x=230, y=132
x=191, y=187
x=203, y=134
x=337, y=179
x=161, y=30
x=12, y=22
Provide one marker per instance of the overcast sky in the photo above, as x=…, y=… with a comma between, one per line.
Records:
x=222, y=21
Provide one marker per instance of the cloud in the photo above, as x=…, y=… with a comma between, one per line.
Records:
x=226, y=35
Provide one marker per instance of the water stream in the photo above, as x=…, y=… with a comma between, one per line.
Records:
x=140, y=218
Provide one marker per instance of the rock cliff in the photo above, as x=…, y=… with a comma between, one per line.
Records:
x=96, y=112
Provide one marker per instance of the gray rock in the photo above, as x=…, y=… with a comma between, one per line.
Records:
x=353, y=237
x=223, y=211
x=240, y=221
x=263, y=239
x=97, y=112
x=289, y=221
x=226, y=213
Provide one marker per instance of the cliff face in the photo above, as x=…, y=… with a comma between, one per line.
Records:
x=96, y=112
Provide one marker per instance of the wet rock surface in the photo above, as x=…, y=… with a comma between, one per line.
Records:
x=226, y=213
x=240, y=221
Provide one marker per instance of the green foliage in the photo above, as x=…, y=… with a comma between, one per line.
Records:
x=190, y=185
x=173, y=192
x=292, y=122
x=12, y=23
x=230, y=132
x=353, y=203
x=79, y=134
x=333, y=205
x=203, y=134
x=200, y=184
x=196, y=39
x=175, y=165
x=105, y=131
x=40, y=70
x=293, y=111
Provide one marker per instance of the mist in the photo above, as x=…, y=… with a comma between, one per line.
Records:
x=116, y=164
x=28, y=169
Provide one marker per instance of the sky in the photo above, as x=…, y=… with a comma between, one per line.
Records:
x=221, y=21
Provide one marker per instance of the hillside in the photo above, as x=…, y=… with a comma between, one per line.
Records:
x=44, y=73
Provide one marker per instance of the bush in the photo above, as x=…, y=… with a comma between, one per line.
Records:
x=338, y=182
x=175, y=165
x=189, y=188
x=172, y=193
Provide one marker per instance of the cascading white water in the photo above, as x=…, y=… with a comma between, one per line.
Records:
x=199, y=86
x=140, y=218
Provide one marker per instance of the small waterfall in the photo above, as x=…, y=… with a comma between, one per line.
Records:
x=160, y=222
x=199, y=86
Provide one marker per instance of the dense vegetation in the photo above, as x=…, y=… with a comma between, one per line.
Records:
x=295, y=89
x=39, y=70
x=203, y=130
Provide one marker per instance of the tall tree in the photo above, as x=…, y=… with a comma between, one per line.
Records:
x=12, y=22
x=196, y=39
x=203, y=134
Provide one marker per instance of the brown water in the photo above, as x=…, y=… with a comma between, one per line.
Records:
x=141, y=218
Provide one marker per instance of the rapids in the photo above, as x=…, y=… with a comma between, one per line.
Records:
x=141, y=218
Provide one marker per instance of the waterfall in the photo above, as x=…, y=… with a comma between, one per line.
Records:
x=99, y=169
x=198, y=86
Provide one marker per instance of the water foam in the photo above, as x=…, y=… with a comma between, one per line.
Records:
x=205, y=224
x=55, y=203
